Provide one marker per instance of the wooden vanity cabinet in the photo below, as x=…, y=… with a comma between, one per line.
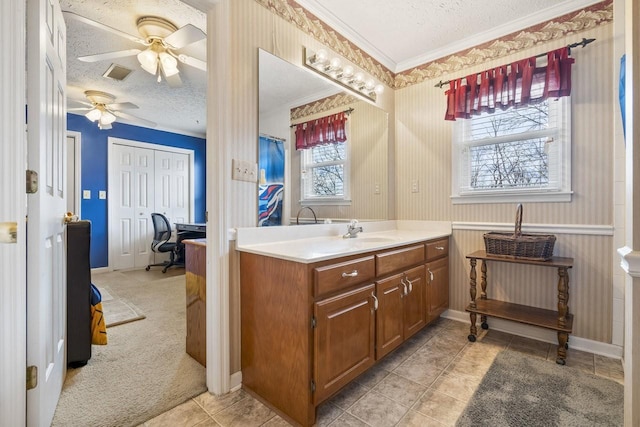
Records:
x=309, y=329
x=344, y=339
x=437, y=277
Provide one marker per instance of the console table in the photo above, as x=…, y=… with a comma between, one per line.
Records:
x=560, y=321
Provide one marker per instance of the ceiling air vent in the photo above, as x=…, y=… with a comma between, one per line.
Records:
x=117, y=72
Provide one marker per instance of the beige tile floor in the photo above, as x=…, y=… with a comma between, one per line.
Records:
x=426, y=382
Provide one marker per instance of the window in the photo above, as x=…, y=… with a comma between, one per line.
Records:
x=325, y=174
x=514, y=155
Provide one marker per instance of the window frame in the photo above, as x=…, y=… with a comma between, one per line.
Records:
x=560, y=113
x=306, y=162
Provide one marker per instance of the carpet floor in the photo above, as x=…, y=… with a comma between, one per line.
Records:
x=520, y=390
x=144, y=370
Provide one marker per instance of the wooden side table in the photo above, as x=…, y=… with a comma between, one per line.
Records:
x=560, y=321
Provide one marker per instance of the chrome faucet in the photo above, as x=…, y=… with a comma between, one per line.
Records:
x=315, y=219
x=352, y=230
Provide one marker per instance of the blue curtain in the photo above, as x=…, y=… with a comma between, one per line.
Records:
x=271, y=181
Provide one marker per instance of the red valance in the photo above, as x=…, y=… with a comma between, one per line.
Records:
x=325, y=130
x=509, y=85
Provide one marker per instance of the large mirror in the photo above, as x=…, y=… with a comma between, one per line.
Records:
x=289, y=95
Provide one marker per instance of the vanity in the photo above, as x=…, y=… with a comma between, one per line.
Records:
x=319, y=310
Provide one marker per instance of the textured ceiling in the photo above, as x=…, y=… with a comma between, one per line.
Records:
x=400, y=34
x=181, y=109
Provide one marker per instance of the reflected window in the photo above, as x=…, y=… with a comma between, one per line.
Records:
x=325, y=174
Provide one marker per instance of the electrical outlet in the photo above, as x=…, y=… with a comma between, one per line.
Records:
x=102, y=195
x=415, y=186
x=86, y=194
x=244, y=171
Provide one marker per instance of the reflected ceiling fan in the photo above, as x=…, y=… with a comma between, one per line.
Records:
x=103, y=110
x=161, y=39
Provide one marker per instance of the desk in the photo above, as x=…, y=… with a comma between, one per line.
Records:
x=196, y=227
x=188, y=231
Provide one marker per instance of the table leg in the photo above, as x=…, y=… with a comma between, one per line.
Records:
x=483, y=291
x=473, y=331
x=563, y=338
x=563, y=296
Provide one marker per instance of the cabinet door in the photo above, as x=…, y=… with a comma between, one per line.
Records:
x=438, y=287
x=415, y=306
x=344, y=339
x=389, y=316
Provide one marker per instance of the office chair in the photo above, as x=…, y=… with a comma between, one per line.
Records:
x=161, y=243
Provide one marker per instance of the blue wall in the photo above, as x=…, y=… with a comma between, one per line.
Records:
x=95, y=173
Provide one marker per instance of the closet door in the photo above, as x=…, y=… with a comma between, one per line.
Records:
x=172, y=186
x=133, y=200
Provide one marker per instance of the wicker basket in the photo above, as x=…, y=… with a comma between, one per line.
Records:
x=516, y=245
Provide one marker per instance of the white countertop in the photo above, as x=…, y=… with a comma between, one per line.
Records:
x=312, y=243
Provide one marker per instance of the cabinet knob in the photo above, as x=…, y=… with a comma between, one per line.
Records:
x=354, y=273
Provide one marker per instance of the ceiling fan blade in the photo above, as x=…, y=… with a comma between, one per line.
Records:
x=122, y=106
x=185, y=36
x=77, y=101
x=134, y=119
x=80, y=109
x=174, y=80
x=109, y=55
x=96, y=24
x=189, y=60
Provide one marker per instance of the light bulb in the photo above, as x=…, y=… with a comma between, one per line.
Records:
x=149, y=60
x=93, y=115
x=335, y=63
x=107, y=118
x=358, y=77
x=369, y=84
x=169, y=64
x=378, y=89
x=321, y=56
x=347, y=71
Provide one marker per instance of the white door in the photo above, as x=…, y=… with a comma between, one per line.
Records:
x=46, y=258
x=132, y=194
x=172, y=186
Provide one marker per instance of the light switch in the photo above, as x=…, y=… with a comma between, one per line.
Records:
x=102, y=195
x=86, y=194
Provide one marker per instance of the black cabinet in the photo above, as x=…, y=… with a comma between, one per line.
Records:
x=78, y=293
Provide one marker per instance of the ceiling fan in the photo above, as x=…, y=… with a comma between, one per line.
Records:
x=103, y=110
x=162, y=40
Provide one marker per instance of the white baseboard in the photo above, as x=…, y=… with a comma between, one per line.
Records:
x=235, y=382
x=540, y=334
x=100, y=270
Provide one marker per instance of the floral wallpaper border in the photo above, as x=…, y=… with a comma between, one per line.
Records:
x=589, y=17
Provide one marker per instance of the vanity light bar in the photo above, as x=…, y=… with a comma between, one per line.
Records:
x=346, y=76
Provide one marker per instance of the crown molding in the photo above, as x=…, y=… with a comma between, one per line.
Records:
x=324, y=27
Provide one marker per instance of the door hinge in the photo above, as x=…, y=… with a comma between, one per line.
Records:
x=313, y=386
x=32, y=182
x=313, y=322
x=32, y=377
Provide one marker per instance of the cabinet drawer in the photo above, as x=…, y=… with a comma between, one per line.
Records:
x=437, y=249
x=388, y=262
x=339, y=276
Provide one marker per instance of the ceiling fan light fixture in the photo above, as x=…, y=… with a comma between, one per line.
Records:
x=169, y=64
x=149, y=60
x=107, y=118
x=94, y=115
